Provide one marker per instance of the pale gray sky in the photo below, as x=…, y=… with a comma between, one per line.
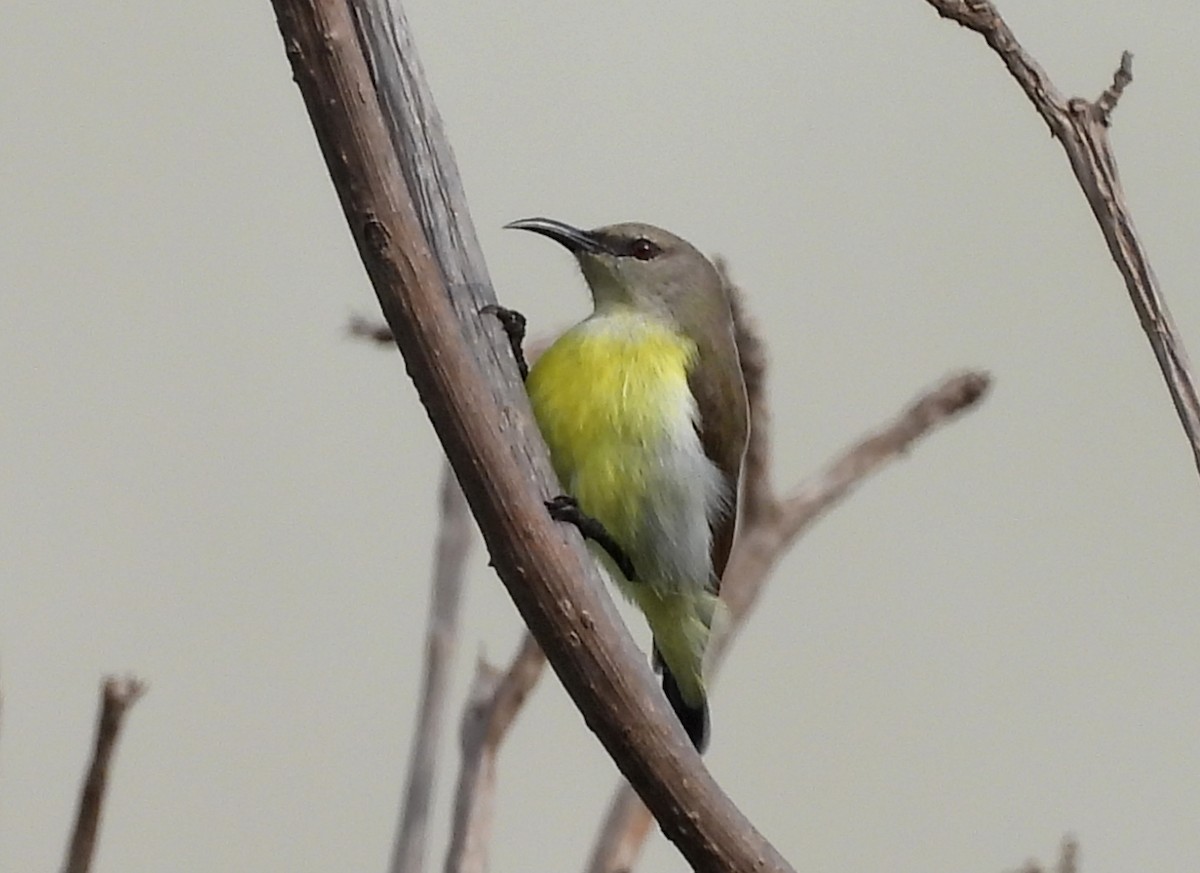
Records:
x=205, y=482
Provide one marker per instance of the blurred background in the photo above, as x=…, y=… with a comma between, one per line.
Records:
x=204, y=481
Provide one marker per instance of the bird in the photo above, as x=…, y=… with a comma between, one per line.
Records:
x=643, y=408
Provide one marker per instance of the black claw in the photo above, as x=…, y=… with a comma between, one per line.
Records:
x=513, y=323
x=565, y=508
x=563, y=503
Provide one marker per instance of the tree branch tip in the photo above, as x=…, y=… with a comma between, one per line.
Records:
x=122, y=691
x=485, y=668
x=980, y=20
x=1107, y=101
x=1068, y=855
x=1068, y=859
x=360, y=327
x=961, y=391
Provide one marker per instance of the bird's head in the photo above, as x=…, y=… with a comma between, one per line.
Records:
x=637, y=265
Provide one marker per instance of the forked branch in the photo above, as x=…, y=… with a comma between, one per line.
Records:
x=1082, y=127
x=455, y=535
x=495, y=699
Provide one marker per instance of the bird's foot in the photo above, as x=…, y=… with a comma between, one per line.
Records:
x=513, y=323
x=565, y=508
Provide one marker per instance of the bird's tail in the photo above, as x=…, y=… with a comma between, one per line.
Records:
x=682, y=625
x=692, y=714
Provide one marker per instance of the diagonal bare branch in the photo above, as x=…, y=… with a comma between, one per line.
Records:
x=492, y=705
x=1081, y=126
x=494, y=699
x=116, y=696
x=936, y=407
x=453, y=546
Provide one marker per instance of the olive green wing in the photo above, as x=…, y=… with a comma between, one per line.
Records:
x=723, y=426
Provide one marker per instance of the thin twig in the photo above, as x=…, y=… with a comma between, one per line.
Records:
x=625, y=829
x=1068, y=859
x=493, y=704
x=938, y=406
x=441, y=640
x=1082, y=128
x=375, y=331
x=473, y=806
x=1068, y=856
x=116, y=696
x=770, y=526
x=1107, y=101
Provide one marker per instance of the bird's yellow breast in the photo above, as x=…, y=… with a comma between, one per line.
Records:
x=611, y=397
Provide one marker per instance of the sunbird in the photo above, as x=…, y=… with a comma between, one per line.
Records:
x=643, y=407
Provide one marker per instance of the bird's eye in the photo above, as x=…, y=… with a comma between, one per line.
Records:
x=642, y=249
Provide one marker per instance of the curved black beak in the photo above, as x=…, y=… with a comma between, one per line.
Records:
x=572, y=237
